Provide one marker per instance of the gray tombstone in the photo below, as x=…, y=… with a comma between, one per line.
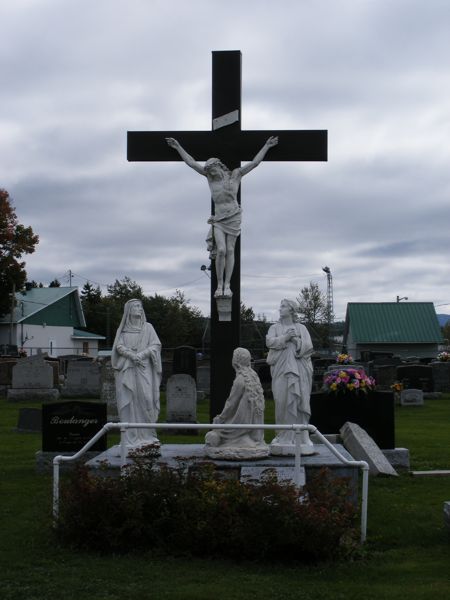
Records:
x=385, y=375
x=362, y=447
x=108, y=388
x=181, y=395
x=32, y=380
x=441, y=376
x=82, y=380
x=6, y=367
x=203, y=377
x=411, y=397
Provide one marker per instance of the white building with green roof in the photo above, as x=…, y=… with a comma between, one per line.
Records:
x=49, y=320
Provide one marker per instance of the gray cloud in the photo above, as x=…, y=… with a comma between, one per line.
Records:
x=75, y=76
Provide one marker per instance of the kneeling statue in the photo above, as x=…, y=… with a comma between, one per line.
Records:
x=245, y=404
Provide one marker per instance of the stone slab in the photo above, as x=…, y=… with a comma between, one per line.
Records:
x=437, y=473
x=286, y=474
x=234, y=453
x=398, y=457
x=44, y=460
x=362, y=447
x=32, y=395
x=193, y=455
x=411, y=397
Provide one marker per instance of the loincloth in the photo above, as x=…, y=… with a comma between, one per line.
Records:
x=230, y=224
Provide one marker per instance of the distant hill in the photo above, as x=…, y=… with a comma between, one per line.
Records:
x=443, y=319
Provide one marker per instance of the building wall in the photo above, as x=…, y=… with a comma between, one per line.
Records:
x=87, y=346
x=50, y=339
x=402, y=350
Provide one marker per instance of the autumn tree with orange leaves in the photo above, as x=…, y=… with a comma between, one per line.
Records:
x=15, y=240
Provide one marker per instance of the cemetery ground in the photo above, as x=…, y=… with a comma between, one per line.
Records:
x=407, y=553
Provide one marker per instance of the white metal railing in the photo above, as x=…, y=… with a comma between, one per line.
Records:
x=122, y=427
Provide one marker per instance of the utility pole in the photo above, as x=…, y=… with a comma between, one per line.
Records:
x=11, y=321
x=330, y=308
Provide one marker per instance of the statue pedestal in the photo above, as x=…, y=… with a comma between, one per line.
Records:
x=235, y=453
x=283, y=449
x=224, y=307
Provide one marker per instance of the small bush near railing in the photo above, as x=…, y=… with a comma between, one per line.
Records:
x=163, y=510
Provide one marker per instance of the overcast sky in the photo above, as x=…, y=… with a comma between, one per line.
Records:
x=75, y=75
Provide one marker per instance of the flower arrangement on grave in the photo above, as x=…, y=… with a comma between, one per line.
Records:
x=443, y=356
x=348, y=380
x=344, y=359
x=397, y=386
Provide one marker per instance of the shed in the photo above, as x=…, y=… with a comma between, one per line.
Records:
x=402, y=328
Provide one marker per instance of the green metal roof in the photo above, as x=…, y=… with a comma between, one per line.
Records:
x=393, y=322
x=38, y=300
x=77, y=333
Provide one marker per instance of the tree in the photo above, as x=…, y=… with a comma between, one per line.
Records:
x=124, y=290
x=247, y=314
x=15, y=240
x=312, y=303
x=95, y=313
x=54, y=283
x=176, y=322
x=313, y=311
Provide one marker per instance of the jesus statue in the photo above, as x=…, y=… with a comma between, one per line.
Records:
x=226, y=222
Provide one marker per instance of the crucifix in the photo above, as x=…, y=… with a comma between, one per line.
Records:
x=228, y=142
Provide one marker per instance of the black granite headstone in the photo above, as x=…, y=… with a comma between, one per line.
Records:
x=373, y=412
x=185, y=361
x=68, y=426
x=30, y=420
x=419, y=377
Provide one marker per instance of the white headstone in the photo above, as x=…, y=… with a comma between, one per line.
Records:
x=411, y=397
x=181, y=395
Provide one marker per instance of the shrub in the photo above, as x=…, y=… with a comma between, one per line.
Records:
x=158, y=509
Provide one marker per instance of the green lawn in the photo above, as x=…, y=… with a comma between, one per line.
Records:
x=407, y=554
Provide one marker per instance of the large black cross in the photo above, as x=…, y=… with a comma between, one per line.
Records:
x=232, y=145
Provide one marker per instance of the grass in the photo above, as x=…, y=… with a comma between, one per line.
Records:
x=407, y=554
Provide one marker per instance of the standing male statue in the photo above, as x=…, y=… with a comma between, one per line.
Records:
x=226, y=222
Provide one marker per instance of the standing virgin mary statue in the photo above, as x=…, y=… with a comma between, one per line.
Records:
x=136, y=360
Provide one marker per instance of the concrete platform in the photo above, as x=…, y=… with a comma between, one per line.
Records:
x=192, y=456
